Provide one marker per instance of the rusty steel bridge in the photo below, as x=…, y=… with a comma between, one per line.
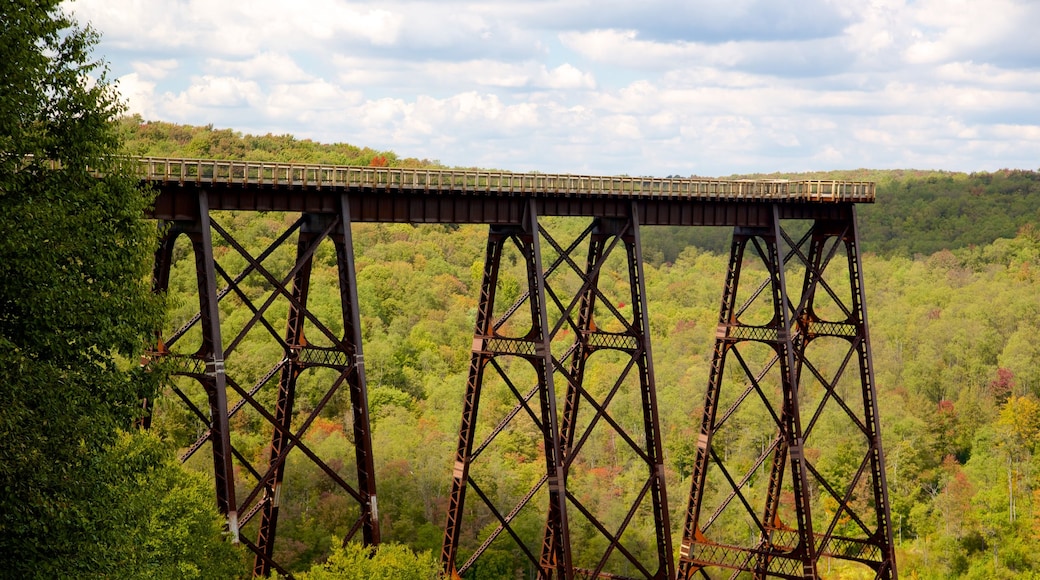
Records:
x=791, y=364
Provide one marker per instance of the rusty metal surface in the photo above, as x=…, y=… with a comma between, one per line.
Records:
x=484, y=183
x=178, y=203
x=796, y=390
x=589, y=411
x=491, y=347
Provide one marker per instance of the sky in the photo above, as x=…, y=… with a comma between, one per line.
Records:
x=654, y=87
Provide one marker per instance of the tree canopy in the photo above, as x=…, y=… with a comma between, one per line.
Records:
x=76, y=309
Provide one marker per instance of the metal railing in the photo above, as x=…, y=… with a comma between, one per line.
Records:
x=475, y=181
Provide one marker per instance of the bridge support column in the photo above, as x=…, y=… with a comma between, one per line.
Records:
x=615, y=326
x=286, y=398
x=207, y=362
x=817, y=489
x=308, y=345
x=583, y=320
x=491, y=344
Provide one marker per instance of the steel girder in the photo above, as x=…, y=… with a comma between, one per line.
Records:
x=817, y=488
x=597, y=324
x=307, y=343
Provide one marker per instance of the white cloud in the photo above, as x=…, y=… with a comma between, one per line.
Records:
x=155, y=69
x=230, y=28
x=567, y=76
x=308, y=102
x=134, y=25
x=461, y=114
x=208, y=96
x=784, y=58
x=829, y=156
x=465, y=31
x=139, y=96
x=950, y=29
x=326, y=19
x=1016, y=133
x=508, y=75
x=445, y=76
x=624, y=48
x=970, y=73
x=271, y=66
x=661, y=87
x=383, y=112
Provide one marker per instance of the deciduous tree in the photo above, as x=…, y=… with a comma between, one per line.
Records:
x=75, y=311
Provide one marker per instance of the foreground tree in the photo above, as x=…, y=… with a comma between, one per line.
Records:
x=387, y=562
x=75, y=310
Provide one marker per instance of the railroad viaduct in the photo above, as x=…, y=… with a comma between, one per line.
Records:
x=793, y=282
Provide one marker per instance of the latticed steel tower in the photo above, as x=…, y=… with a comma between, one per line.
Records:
x=799, y=373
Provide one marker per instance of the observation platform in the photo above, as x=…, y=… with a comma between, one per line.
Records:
x=394, y=194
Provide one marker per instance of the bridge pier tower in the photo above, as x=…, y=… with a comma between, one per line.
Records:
x=799, y=382
x=564, y=322
x=243, y=391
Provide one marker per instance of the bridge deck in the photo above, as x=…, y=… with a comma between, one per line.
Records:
x=480, y=196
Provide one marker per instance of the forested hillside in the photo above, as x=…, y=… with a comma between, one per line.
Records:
x=917, y=212
x=953, y=283
x=160, y=139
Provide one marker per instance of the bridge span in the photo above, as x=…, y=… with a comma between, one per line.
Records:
x=391, y=194
x=792, y=326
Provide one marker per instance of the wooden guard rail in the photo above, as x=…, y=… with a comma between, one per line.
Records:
x=474, y=181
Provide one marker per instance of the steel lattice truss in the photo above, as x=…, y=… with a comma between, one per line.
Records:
x=557, y=349
x=249, y=492
x=803, y=371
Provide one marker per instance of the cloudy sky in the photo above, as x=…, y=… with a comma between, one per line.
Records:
x=654, y=87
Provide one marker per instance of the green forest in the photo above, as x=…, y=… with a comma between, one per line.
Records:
x=952, y=271
x=952, y=267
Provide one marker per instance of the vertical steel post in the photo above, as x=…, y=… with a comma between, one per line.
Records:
x=479, y=358
x=690, y=561
x=575, y=375
x=346, y=358
x=788, y=463
x=169, y=232
x=880, y=539
x=648, y=391
x=212, y=353
x=791, y=435
x=356, y=383
x=343, y=356
x=543, y=363
x=633, y=339
x=883, y=535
